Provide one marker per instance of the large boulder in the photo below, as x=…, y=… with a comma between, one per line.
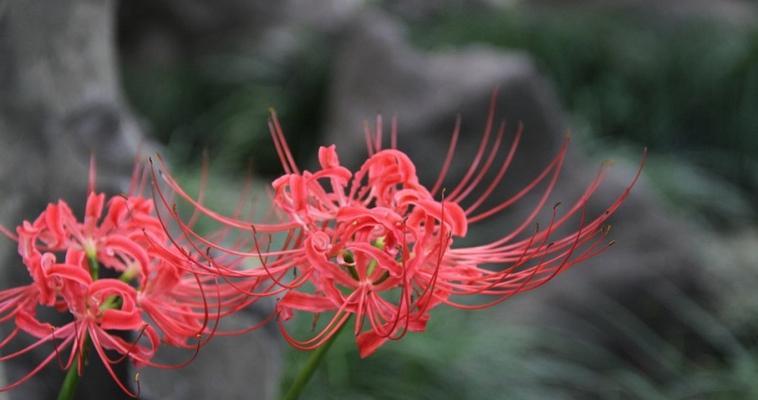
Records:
x=62, y=103
x=235, y=368
x=377, y=72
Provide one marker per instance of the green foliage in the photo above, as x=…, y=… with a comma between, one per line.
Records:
x=684, y=87
x=221, y=103
x=611, y=353
x=445, y=362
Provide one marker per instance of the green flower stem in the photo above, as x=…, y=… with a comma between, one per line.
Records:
x=305, y=374
x=69, y=384
x=71, y=381
x=68, y=388
x=91, y=252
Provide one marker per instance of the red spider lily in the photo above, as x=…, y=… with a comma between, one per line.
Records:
x=379, y=246
x=158, y=298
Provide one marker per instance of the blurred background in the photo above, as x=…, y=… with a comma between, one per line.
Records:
x=670, y=312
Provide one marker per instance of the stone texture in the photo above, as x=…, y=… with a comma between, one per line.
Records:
x=234, y=368
x=61, y=103
x=376, y=71
x=60, y=92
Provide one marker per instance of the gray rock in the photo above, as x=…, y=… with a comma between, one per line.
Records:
x=377, y=71
x=60, y=93
x=62, y=102
x=420, y=9
x=236, y=367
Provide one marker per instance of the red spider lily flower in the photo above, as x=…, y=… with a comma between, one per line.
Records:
x=158, y=297
x=379, y=246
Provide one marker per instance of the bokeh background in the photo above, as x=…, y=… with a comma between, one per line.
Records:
x=670, y=312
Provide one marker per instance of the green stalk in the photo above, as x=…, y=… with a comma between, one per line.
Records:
x=69, y=384
x=314, y=360
x=68, y=388
x=71, y=381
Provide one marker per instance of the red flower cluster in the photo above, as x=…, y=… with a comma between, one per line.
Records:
x=374, y=245
x=378, y=246
x=156, y=296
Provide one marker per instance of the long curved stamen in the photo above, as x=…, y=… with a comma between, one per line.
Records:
x=101, y=353
x=500, y=173
x=448, y=158
x=285, y=155
x=38, y=368
x=201, y=189
x=393, y=132
x=554, y=167
x=480, y=151
x=92, y=174
x=485, y=168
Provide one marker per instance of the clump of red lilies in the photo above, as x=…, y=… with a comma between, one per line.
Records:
x=153, y=295
x=374, y=245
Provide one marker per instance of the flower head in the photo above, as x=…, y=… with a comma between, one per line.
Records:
x=116, y=274
x=377, y=245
